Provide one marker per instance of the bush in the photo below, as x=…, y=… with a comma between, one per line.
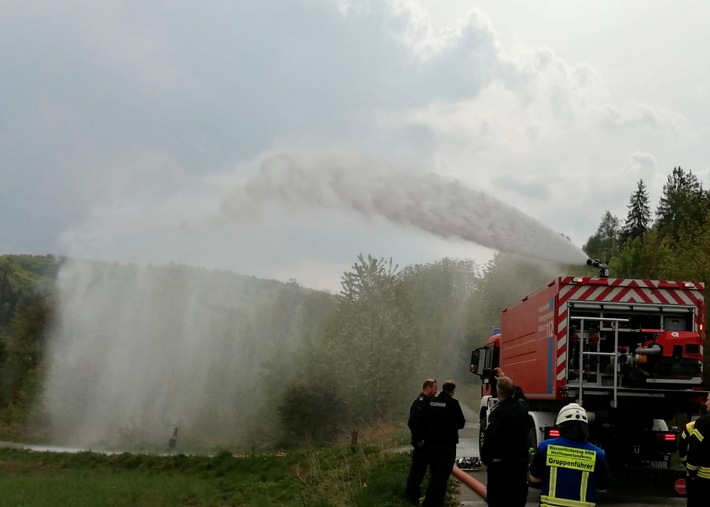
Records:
x=310, y=413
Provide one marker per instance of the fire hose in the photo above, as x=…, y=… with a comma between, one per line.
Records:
x=477, y=486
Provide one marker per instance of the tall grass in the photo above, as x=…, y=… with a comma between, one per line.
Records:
x=371, y=473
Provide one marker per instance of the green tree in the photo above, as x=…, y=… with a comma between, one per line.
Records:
x=647, y=256
x=308, y=404
x=370, y=341
x=15, y=284
x=441, y=294
x=311, y=410
x=638, y=218
x=691, y=254
x=26, y=312
x=682, y=205
x=605, y=243
x=25, y=349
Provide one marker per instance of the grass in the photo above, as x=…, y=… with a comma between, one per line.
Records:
x=367, y=475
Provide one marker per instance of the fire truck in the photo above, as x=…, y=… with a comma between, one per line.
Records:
x=629, y=351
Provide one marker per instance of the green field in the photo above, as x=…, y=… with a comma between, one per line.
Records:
x=364, y=476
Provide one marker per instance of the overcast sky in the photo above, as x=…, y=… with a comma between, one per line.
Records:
x=137, y=131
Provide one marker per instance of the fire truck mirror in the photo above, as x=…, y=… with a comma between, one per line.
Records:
x=475, y=355
x=478, y=361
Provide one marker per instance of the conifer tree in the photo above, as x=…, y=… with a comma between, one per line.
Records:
x=638, y=218
x=682, y=205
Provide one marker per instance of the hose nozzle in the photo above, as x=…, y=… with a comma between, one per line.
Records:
x=602, y=265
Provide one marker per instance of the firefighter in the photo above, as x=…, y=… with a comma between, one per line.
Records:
x=698, y=461
x=569, y=469
x=684, y=437
x=443, y=420
x=505, y=448
x=683, y=442
x=420, y=461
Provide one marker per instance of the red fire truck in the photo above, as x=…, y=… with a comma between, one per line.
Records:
x=629, y=351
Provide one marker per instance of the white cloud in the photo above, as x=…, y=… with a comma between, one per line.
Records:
x=644, y=162
x=645, y=116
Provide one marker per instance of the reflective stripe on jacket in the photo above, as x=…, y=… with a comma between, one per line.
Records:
x=699, y=449
x=683, y=441
x=571, y=471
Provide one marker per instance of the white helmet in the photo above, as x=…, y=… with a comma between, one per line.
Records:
x=572, y=412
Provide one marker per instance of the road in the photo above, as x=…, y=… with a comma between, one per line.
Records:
x=468, y=446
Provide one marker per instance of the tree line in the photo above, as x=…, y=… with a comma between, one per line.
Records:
x=316, y=364
x=673, y=243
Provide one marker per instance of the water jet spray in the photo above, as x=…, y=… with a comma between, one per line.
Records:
x=427, y=202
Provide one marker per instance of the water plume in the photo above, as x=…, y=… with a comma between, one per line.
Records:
x=140, y=350
x=443, y=207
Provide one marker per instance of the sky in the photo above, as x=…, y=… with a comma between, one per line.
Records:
x=281, y=139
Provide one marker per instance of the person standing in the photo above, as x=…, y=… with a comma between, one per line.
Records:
x=420, y=460
x=505, y=448
x=683, y=440
x=684, y=437
x=442, y=420
x=698, y=462
x=569, y=469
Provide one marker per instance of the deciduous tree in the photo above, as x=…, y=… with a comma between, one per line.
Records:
x=605, y=243
x=372, y=340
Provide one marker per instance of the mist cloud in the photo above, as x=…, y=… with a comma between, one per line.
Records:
x=428, y=202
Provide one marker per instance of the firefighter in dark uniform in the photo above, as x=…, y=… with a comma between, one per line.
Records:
x=683, y=440
x=698, y=463
x=443, y=418
x=505, y=449
x=684, y=437
x=569, y=469
x=420, y=460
